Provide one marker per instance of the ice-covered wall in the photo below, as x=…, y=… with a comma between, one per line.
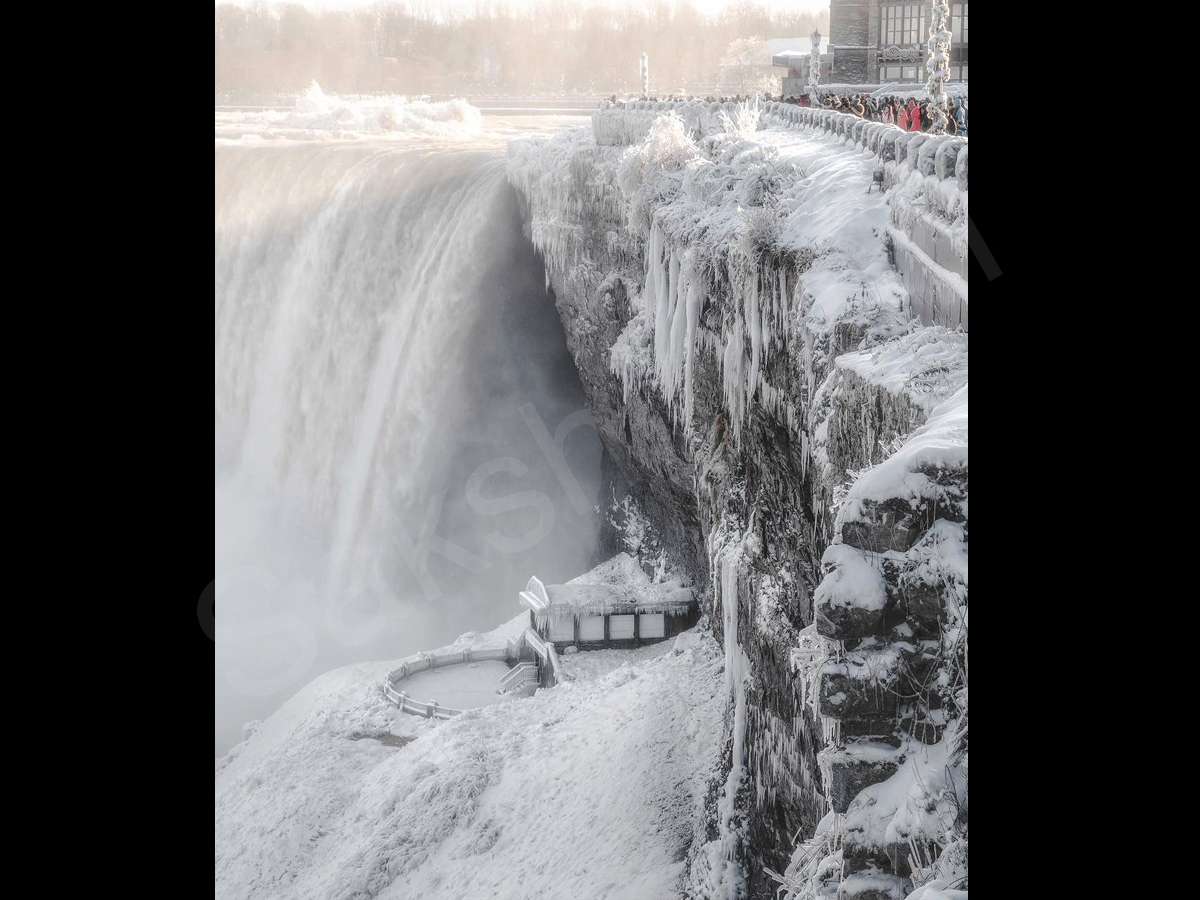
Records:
x=749, y=355
x=926, y=176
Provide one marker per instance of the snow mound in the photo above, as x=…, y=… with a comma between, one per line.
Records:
x=308, y=807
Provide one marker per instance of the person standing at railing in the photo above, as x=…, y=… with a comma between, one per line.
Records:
x=914, y=115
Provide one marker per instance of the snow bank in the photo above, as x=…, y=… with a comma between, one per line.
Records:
x=593, y=789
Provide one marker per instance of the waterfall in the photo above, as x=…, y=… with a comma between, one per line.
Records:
x=386, y=360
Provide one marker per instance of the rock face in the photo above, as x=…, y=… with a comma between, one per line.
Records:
x=742, y=368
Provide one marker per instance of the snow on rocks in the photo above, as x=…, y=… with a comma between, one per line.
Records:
x=854, y=581
x=909, y=473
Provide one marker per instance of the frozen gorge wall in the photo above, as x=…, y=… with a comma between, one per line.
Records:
x=753, y=360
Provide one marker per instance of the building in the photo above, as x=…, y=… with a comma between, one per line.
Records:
x=882, y=42
x=797, y=61
x=596, y=616
x=750, y=66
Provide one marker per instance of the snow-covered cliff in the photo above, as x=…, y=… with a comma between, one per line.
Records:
x=594, y=789
x=797, y=440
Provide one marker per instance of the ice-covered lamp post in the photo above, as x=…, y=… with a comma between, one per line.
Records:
x=938, y=66
x=814, y=66
x=645, y=77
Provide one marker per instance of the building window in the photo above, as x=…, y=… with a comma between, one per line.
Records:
x=901, y=73
x=903, y=24
x=958, y=22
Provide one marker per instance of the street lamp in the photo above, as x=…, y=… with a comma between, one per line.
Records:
x=938, y=65
x=814, y=67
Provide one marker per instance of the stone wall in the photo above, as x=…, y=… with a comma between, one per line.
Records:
x=849, y=36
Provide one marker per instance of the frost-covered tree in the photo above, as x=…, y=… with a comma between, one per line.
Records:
x=938, y=66
x=747, y=57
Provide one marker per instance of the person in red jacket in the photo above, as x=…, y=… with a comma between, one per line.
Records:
x=914, y=116
x=902, y=118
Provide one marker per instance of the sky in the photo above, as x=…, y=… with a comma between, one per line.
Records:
x=704, y=6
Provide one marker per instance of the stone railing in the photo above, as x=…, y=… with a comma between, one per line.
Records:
x=927, y=234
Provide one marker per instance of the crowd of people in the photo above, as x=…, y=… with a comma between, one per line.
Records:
x=910, y=114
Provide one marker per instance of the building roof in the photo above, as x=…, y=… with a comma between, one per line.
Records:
x=800, y=45
x=563, y=600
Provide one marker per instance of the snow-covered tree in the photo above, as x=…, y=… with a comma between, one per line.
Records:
x=747, y=57
x=938, y=66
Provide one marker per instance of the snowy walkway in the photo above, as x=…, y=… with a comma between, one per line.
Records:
x=588, y=665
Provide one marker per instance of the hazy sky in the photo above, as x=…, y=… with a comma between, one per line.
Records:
x=705, y=6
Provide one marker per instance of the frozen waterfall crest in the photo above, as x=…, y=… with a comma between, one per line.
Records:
x=318, y=116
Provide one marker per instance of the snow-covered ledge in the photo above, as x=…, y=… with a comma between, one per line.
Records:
x=624, y=123
x=925, y=174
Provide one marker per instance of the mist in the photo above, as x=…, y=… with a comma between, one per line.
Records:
x=400, y=433
x=269, y=53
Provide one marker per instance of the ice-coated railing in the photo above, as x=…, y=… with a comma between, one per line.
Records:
x=549, y=671
x=942, y=156
x=928, y=234
x=436, y=660
x=518, y=677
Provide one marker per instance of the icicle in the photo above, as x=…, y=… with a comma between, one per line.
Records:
x=694, y=300
x=754, y=321
x=733, y=371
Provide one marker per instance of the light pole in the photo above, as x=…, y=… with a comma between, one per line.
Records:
x=814, y=67
x=645, y=77
x=938, y=65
